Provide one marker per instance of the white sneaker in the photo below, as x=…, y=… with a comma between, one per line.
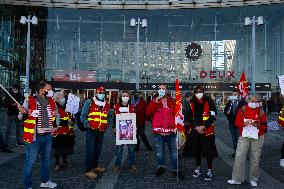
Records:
x=48, y=184
x=281, y=162
x=196, y=173
x=233, y=182
x=253, y=183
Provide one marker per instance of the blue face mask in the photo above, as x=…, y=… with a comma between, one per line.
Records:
x=162, y=92
x=101, y=96
x=63, y=100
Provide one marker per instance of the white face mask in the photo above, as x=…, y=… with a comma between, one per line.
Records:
x=50, y=93
x=233, y=97
x=199, y=95
x=253, y=104
x=125, y=99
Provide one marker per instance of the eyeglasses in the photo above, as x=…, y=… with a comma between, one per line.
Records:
x=101, y=93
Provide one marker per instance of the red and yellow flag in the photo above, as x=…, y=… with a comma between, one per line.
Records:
x=179, y=117
x=242, y=86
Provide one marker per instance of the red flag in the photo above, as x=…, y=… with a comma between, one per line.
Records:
x=242, y=86
x=179, y=117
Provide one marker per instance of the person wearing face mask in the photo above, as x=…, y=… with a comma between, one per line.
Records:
x=13, y=123
x=161, y=109
x=63, y=138
x=201, y=117
x=233, y=105
x=249, y=115
x=41, y=119
x=94, y=117
x=140, y=110
x=123, y=106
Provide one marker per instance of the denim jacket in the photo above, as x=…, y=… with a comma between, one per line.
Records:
x=84, y=113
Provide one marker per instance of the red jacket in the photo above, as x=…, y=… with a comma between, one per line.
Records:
x=140, y=111
x=255, y=114
x=163, y=121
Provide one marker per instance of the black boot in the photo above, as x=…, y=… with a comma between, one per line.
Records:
x=178, y=174
x=160, y=171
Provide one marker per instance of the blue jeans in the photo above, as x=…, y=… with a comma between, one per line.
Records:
x=131, y=154
x=94, y=143
x=42, y=145
x=235, y=134
x=160, y=141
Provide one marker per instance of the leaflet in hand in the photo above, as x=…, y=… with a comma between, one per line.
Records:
x=73, y=103
x=35, y=113
x=250, y=131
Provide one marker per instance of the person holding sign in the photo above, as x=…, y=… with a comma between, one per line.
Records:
x=94, y=117
x=124, y=131
x=162, y=111
x=41, y=120
x=251, y=121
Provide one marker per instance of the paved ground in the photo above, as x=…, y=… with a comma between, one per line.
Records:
x=272, y=176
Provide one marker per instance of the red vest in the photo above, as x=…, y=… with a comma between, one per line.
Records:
x=30, y=122
x=97, y=118
x=64, y=127
x=281, y=118
x=210, y=130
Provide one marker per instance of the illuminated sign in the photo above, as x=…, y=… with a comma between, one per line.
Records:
x=75, y=76
x=217, y=74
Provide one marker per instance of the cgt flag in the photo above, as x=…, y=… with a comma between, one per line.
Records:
x=179, y=118
x=242, y=86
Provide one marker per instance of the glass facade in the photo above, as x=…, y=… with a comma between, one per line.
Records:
x=102, y=40
x=13, y=44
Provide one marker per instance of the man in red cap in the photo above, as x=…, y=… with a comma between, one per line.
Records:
x=94, y=117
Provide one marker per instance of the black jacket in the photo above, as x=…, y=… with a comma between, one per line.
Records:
x=8, y=103
x=231, y=117
x=197, y=119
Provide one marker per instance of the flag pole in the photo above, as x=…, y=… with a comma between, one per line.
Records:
x=10, y=95
x=177, y=155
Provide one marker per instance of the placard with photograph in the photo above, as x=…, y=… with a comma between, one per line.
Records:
x=126, y=128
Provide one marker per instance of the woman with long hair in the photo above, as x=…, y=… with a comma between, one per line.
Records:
x=123, y=106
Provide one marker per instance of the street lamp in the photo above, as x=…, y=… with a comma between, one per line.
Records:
x=144, y=24
x=252, y=22
x=145, y=76
x=23, y=21
x=108, y=76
